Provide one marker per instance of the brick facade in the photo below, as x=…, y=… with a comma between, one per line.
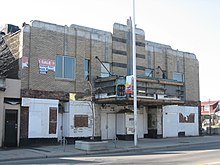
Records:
x=24, y=122
x=44, y=41
x=51, y=40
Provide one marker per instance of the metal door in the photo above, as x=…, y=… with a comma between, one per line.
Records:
x=108, y=125
x=11, y=127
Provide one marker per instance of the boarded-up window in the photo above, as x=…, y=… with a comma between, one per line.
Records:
x=81, y=120
x=187, y=119
x=53, y=120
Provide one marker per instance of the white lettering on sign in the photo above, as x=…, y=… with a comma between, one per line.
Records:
x=46, y=65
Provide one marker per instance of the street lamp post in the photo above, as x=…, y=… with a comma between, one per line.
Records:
x=134, y=75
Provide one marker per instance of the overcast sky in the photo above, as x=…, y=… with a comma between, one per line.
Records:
x=187, y=25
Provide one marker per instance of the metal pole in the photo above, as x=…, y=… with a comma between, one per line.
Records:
x=134, y=76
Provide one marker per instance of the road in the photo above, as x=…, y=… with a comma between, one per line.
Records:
x=206, y=154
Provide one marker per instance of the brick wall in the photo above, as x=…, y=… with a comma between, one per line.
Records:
x=45, y=40
x=24, y=116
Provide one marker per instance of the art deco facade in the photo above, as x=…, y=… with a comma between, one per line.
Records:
x=56, y=62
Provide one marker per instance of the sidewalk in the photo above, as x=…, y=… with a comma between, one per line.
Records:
x=120, y=146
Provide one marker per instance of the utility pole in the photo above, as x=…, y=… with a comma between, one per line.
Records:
x=134, y=76
x=210, y=118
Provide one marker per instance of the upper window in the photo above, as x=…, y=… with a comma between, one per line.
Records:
x=149, y=59
x=206, y=107
x=86, y=69
x=178, y=66
x=178, y=76
x=65, y=67
x=105, y=70
x=149, y=72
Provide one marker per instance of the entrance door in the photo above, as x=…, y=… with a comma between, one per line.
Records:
x=108, y=125
x=11, y=126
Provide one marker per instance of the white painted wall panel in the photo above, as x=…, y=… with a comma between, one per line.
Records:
x=121, y=130
x=39, y=117
x=125, y=124
x=190, y=129
x=172, y=125
x=129, y=123
x=104, y=125
x=140, y=125
x=77, y=108
x=35, y=122
x=111, y=125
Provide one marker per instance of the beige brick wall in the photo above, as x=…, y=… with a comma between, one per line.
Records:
x=25, y=36
x=45, y=40
x=122, y=32
x=167, y=59
x=192, y=79
x=119, y=46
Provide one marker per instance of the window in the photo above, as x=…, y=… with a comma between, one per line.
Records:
x=65, y=67
x=105, y=70
x=178, y=76
x=178, y=66
x=80, y=120
x=187, y=119
x=149, y=72
x=53, y=120
x=149, y=59
x=86, y=69
x=206, y=107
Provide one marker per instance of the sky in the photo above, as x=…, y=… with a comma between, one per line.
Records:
x=187, y=25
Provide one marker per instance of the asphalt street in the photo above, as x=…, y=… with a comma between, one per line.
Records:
x=206, y=154
x=190, y=148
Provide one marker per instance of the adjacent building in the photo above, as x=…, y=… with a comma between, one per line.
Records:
x=210, y=113
x=76, y=82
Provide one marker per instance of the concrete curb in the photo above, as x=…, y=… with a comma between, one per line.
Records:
x=109, y=151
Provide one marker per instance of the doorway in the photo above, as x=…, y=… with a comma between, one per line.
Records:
x=11, y=127
x=108, y=125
